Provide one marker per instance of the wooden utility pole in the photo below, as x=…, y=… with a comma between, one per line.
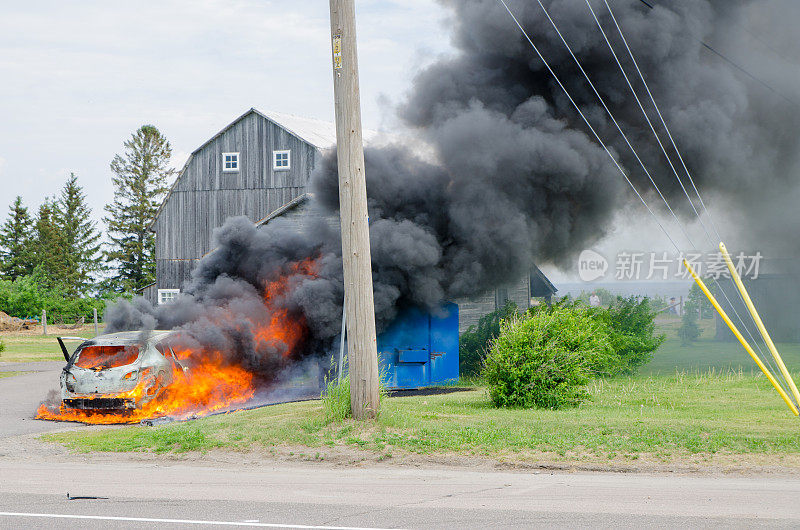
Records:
x=359, y=302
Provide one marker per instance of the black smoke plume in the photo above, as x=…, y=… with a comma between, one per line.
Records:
x=514, y=177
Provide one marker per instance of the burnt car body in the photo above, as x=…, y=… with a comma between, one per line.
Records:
x=118, y=371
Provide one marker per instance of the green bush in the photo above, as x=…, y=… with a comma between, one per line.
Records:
x=27, y=297
x=545, y=358
x=474, y=343
x=631, y=323
x=2, y=346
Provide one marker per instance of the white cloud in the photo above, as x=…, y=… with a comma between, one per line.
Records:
x=178, y=159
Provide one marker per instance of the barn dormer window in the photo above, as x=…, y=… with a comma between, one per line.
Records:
x=230, y=162
x=281, y=159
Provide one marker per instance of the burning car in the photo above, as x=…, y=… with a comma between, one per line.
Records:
x=119, y=371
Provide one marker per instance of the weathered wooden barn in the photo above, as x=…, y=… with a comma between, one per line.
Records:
x=259, y=166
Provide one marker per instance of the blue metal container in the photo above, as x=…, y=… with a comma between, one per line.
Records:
x=420, y=348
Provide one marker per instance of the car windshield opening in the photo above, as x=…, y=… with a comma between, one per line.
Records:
x=102, y=357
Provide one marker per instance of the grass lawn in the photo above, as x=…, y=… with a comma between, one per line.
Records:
x=707, y=353
x=25, y=347
x=666, y=419
x=10, y=374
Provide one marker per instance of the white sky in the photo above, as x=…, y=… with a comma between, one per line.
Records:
x=77, y=78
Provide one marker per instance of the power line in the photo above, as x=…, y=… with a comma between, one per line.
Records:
x=683, y=163
x=737, y=66
x=591, y=128
x=588, y=124
x=614, y=120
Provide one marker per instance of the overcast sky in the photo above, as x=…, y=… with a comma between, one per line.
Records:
x=77, y=78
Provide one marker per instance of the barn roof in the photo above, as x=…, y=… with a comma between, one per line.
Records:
x=318, y=133
x=540, y=284
x=291, y=205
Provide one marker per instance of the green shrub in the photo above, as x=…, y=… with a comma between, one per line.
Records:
x=2, y=346
x=474, y=343
x=631, y=323
x=545, y=358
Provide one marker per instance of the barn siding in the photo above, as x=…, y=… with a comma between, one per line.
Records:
x=470, y=310
x=172, y=273
x=204, y=196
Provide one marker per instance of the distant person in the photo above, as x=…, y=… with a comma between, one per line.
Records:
x=673, y=306
x=594, y=300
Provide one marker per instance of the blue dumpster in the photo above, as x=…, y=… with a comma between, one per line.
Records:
x=419, y=348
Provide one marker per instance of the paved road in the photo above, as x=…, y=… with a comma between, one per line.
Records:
x=191, y=494
x=20, y=395
x=144, y=491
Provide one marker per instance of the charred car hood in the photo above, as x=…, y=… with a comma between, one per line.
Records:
x=108, y=381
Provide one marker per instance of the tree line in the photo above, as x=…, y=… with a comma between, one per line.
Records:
x=58, y=252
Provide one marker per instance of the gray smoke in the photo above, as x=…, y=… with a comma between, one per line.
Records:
x=516, y=179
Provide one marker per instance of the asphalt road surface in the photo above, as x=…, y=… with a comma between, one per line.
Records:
x=138, y=495
x=20, y=395
x=142, y=491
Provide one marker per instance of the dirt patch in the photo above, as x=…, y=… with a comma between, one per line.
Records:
x=35, y=328
x=13, y=324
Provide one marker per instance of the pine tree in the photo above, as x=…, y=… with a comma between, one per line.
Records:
x=140, y=182
x=48, y=248
x=80, y=238
x=16, y=257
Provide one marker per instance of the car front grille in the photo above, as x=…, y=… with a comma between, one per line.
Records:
x=99, y=403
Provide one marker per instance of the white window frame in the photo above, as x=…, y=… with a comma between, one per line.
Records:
x=172, y=294
x=224, y=163
x=288, y=153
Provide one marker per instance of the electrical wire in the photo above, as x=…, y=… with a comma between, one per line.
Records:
x=740, y=68
x=588, y=124
x=658, y=111
x=603, y=145
x=661, y=145
x=616, y=123
x=683, y=164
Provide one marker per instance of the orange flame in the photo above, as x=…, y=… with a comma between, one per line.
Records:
x=212, y=383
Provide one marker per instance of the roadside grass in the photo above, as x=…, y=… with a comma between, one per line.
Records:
x=27, y=347
x=10, y=374
x=669, y=418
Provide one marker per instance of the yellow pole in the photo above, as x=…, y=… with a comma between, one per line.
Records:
x=741, y=339
x=759, y=323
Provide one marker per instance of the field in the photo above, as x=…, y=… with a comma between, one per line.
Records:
x=705, y=419
x=706, y=353
x=27, y=346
